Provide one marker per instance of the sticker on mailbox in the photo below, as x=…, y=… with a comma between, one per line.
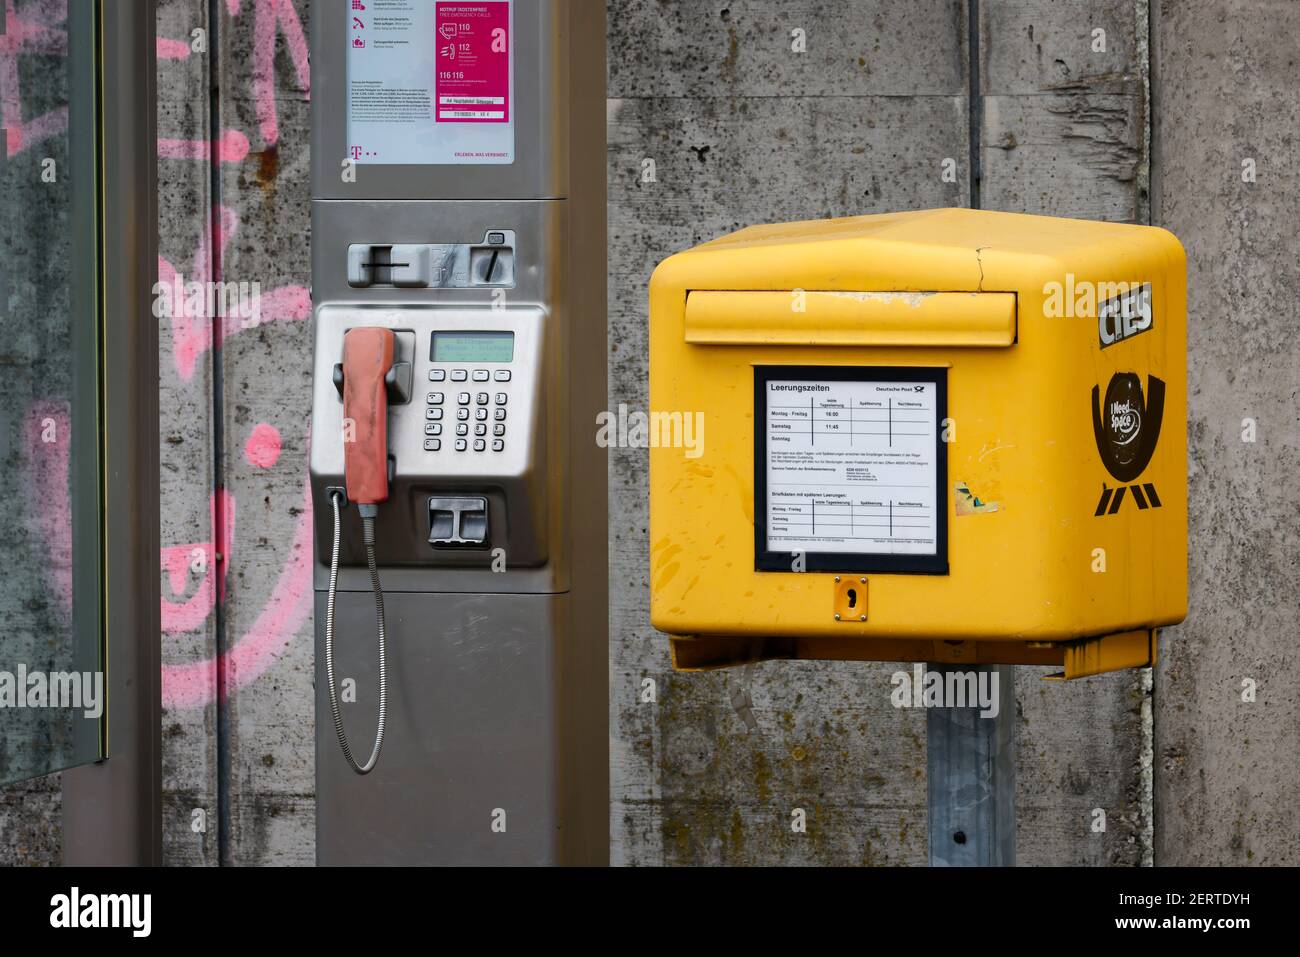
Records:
x=850, y=469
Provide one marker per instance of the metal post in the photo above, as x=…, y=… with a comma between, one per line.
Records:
x=112, y=810
x=971, y=766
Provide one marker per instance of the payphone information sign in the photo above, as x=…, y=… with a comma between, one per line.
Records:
x=430, y=83
x=850, y=469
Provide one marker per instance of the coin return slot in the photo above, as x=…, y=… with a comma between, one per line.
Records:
x=458, y=522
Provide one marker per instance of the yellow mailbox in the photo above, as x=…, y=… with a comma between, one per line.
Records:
x=949, y=435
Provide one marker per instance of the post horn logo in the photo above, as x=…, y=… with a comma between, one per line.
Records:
x=1127, y=428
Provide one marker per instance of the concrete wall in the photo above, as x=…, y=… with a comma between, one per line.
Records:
x=743, y=129
x=1227, y=769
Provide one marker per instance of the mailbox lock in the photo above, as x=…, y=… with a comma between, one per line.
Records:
x=850, y=603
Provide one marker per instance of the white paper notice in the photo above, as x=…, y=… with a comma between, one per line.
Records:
x=851, y=467
x=431, y=82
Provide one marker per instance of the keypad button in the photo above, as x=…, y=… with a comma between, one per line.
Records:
x=480, y=429
x=462, y=429
x=433, y=413
x=480, y=375
x=500, y=415
x=459, y=375
x=460, y=445
x=434, y=398
x=481, y=398
x=463, y=398
x=462, y=413
x=479, y=445
x=498, y=445
x=432, y=445
x=498, y=429
x=480, y=414
x=501, y=398
x=433, y=428
x=437, y=375
x=502, y=375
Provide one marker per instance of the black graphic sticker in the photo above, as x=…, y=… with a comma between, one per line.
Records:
x=1127, y=427
x=1125, y=316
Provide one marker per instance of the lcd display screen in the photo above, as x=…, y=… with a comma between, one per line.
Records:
x=473, y=346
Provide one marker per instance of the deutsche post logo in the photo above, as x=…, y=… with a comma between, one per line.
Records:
x=1126, y=426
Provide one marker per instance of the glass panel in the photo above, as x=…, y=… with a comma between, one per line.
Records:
x=51, y=646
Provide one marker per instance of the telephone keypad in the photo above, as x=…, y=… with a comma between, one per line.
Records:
x=480, y=402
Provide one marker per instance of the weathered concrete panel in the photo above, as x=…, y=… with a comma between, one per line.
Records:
x=745, y=48
x=189, y=564
x=266, y=371
x=1077, y=155
x=1064, y=87
x=690, y=783
x=1227, y=773
x=36, y=387
x=31, y=823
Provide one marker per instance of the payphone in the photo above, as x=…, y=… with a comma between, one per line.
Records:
x=458, y=266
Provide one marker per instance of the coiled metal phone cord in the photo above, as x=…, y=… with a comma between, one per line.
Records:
x=368, y=527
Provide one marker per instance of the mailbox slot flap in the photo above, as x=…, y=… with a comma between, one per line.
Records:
x=836, y=318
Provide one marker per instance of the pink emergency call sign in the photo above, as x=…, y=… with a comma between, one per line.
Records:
x=473, y=62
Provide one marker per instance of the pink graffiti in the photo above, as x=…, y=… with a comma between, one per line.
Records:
x=179, y=562
x=269, y=17
x=48, y=433
x=172, y=49
x=36, y=32
x=192, y=331
x=48, y=426
x=263, y=448
x=231, y=148
x=194, y=685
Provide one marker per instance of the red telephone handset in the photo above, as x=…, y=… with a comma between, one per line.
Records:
x=367, y=357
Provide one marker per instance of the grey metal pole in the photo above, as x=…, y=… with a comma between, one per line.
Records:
x=112, y=810
x=971, y=767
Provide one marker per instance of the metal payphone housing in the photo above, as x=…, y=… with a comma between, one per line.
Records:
x=491, y=553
